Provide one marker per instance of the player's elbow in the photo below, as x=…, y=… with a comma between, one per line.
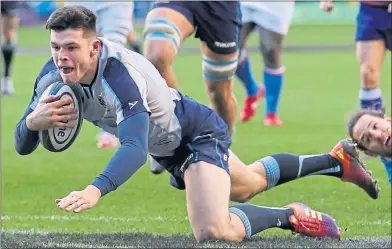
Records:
x=141, y=149
x=23, y=148
x=143, y=156
x=23, y=145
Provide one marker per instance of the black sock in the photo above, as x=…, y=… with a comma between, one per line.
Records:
x=282, y=168
x=8, y=52
x=258, y=218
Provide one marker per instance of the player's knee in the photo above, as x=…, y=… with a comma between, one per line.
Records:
x=221, y=94
x=242, y=198
x=160, y=58
x=161, y=53
x=370, y=75
x=209, y=232
x=271, y=57
x=162, y=30
x=219, y=70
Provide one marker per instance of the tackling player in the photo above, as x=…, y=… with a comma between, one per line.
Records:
x=373, y=38
x=124, y=94
x=272, y=21
x=371, y=130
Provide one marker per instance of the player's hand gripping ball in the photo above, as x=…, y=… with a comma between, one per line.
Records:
x=58, y=139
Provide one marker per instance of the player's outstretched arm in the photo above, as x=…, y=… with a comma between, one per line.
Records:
x=133, y=134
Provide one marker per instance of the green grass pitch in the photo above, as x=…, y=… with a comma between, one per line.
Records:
x=320, y=89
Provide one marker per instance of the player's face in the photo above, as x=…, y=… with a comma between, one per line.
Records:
x=72, y=53
x=374, y=133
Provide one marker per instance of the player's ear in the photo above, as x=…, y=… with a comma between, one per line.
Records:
x=96, y=45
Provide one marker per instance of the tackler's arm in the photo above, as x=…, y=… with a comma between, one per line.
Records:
x=133, y=135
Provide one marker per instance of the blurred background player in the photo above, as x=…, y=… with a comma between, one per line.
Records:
x=9, y=26
x=272, y=21
x=373, y=38
x=114, y=22
x=216, y=23
x=134, y=43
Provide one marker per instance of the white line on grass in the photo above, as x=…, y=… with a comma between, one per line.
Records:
x=82, y=218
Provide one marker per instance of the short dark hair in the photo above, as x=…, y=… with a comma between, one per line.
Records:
x=72, y=17
x=353, y=120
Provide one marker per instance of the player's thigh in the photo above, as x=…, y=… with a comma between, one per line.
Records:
x=247, y=25
x=218, y=29
x=166, y=26
x=218, y=24
x=245, y=31
x=9, y=19
x=271, y=46
x=207, y=197
x=372, y=26
x=246, y=181
x=371, y=53
x=115, y=21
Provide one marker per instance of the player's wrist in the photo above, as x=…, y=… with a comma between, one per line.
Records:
x=94, y=190
x=29, y=123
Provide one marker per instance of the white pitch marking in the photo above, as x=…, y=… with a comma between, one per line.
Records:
x=82, y=218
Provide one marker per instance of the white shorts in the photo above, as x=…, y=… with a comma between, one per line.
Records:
x=114, y=19
x=273, y=16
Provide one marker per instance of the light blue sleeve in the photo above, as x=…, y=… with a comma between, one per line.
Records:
x=388, y=167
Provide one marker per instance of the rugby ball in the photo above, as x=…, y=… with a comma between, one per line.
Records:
x=58, y=139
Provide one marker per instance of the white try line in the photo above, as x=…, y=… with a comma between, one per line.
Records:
x=78, y=217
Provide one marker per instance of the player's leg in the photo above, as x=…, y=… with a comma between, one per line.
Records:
x=9, y=26
x=211, y=218
x=244, y=73
x=271, y=46
x=274, y=170
x=134, y=42
x=254, y=91
x=208, y=203
x=373, y=37
x=115, y=21
x=217, y=71
x=166, y=26
x=219, y=45
x=370, y=56
x=133, y=39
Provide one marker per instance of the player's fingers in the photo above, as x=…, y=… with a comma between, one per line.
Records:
x=49, y=99
x=64, y=110
x=82, y=208
x=76, y=204
x=61, y=102
x=63, y=204
x=64, y=118
x=58, y=200
x=63, y=125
